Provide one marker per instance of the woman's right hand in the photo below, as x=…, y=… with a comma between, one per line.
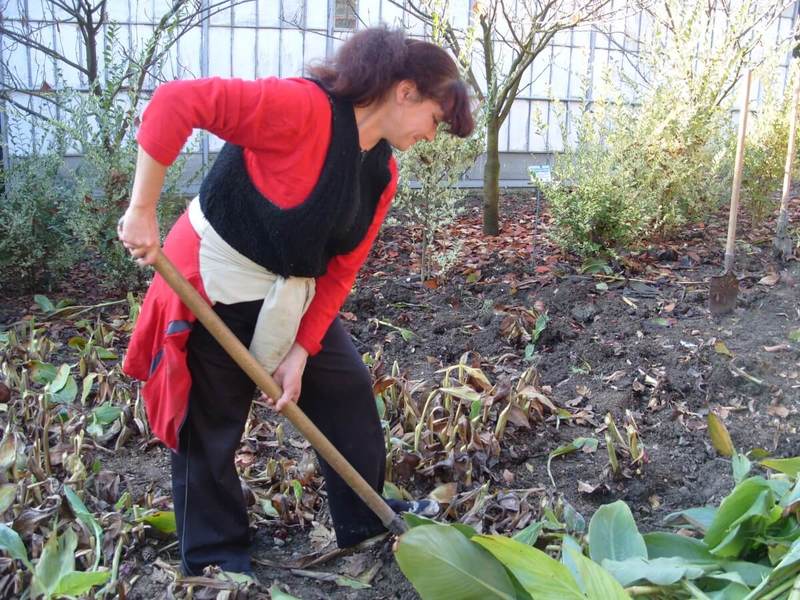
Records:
x=138, y=232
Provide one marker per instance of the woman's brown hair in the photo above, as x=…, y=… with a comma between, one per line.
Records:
x=369, y=63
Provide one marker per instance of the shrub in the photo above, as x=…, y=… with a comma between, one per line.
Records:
x=36, y=246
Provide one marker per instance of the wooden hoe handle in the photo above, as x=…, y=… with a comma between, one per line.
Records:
x=206, y=315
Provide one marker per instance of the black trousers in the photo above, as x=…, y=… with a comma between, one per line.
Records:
x=336, y=395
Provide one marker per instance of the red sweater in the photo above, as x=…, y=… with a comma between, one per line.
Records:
x=284, y=126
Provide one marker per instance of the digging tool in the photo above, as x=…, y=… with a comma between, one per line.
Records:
x=205, y=314
x=725, y=287
x=782, y=244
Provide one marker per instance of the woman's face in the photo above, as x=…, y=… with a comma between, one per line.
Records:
x=411, y=118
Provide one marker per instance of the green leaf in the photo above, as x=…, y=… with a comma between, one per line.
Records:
x=297, y=488
x=794, y=336
x=662, y=544
x=78, y=583
x=441, y=563
x=8, y=493
x=720, y=438
x=77, y=342
x=84, y=516
x=530, y=534
x=752, y=497
x=44, y=303
x=12, y=543
x=42, y=372
x=57, y=559
x=86, y=386
x=106, y=354
x=613, y=534
x=63, y=389
x=741, y=467
x=475, y=409
x=600, y=585
x=162, y=520
x=106, y=413
x=381, y=406
x=540, y=575
x=392, y=491
x=790, y=466
x=699, y=518
x=659, y=571
x=413, y=520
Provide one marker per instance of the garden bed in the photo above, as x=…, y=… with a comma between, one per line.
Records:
x=633, y=335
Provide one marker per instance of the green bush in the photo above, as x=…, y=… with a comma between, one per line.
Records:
x=36, y=245
x=437, y=167
x=765, y=151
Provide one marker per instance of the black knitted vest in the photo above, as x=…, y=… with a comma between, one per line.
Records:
x=332, y=220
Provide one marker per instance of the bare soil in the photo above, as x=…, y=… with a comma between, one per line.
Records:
x=640, y=340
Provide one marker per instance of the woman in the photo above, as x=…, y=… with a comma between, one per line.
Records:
x=284, y=220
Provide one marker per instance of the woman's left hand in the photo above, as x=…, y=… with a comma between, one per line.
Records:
x=289, y=375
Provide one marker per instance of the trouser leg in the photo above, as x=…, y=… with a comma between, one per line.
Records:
x=210, y=511
x=337, y=396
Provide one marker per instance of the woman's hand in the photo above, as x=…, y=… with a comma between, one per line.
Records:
x=289, y=375
x=138, y=232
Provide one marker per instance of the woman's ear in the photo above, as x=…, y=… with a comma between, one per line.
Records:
x=406, y=91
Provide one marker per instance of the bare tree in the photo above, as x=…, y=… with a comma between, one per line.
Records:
x=508, y=36
x=129, y=73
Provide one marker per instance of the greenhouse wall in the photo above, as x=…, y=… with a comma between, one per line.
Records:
x=259, y=38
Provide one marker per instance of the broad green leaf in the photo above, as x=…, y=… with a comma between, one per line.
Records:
x=790, y=466
x=381, y=406
x=8, y=492
x=600, y=585
x=106, y=354
x=413, y=520
x=794, y=336
x=12, y=543
x=63, y=389
x=741, y=467
x=77, y=342
x=720, y=438
x=106, y=413
x=57, y=559
x=42, y=372
x=721, y=348
x=276, y=594
x=441, y=563
x=733, y=591
x=751, y=574
x=392, y=491
x=659, y=571
x=662, y=544
x=613, y=534
x=573, y=519
x=569, y=547
x=699, y=518
x=721, y=535
x=542, y=576
x=467, y=531
x=162, y=520
x=475, y=409
x=84, y=516
x=87, y=386
x=44, y=303
x=78, y=583
x=530, y=534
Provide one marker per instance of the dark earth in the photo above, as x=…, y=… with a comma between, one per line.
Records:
x=633, y=335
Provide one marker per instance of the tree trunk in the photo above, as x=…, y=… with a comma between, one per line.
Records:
x=491, y=180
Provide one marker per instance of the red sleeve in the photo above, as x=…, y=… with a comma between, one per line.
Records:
x=335, y=285
x=255, y=114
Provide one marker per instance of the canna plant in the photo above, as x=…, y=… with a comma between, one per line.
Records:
x=747, y=548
